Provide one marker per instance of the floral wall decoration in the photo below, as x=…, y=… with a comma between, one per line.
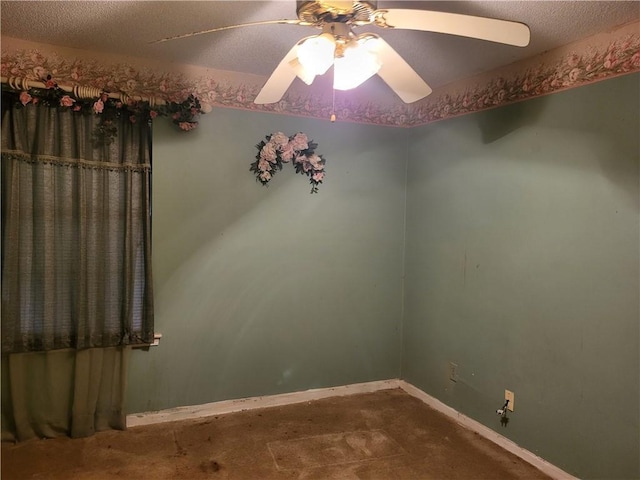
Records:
x=278, y=149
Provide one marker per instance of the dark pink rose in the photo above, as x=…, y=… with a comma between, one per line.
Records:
x=25, y=98
x=98, y=106
x=67, y=101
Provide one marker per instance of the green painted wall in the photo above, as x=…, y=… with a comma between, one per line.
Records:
x=522, y=266
x=269, y=290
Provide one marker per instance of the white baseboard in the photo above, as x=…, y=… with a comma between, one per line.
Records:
x=230, y=406
x=486, y=432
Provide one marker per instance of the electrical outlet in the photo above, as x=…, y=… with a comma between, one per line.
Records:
x=509, y=395
x=453, y=372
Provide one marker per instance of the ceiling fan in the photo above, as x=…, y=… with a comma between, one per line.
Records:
x=356, y=58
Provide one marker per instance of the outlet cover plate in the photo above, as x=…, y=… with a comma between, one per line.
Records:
x=509, y=395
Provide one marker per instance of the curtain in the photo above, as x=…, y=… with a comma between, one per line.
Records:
x=76, y=263
x=63, y=392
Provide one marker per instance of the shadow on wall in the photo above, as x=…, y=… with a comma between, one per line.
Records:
x=493, y=127
x=580, y=138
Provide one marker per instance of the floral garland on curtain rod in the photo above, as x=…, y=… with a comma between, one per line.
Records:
x=279, y=149
x=184, y=114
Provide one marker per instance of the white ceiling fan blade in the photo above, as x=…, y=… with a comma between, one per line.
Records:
x=280, y=80
x=230, y=27
x=491, y=29
x=397, y=73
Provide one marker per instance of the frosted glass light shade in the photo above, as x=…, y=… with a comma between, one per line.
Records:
x=301, y=72
x=316, y=54
x=358, y=64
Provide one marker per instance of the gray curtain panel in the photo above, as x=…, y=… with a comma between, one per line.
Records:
x=63, y=392
x=76, y=267
x=76, y=253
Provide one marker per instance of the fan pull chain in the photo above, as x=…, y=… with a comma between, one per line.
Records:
x=333, y=100
x=333, y=106
x=333, y=83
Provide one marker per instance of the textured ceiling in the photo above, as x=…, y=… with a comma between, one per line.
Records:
x=128, y=27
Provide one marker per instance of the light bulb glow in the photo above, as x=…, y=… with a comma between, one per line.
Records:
x=316, y=53
x=301, y=72
x=358, y=63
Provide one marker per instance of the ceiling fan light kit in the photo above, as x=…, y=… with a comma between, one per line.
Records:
x=316, y=53
x=358, y=62
x=356, y=58
x=302, y=73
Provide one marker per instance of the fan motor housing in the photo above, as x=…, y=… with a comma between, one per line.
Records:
x=320, y=11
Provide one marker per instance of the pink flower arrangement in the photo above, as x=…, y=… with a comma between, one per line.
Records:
x=25, y=98
x=300, y=141
x=287, y=152
x=98, y=106
x=269, y=152
x=279, y=139
x=67, y=101
x=278, y=149
x=186, y=126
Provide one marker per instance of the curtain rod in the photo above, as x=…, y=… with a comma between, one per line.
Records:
x=79, y=91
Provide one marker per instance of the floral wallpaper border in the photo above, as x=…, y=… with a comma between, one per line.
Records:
x=588, y=61
x=597, y=58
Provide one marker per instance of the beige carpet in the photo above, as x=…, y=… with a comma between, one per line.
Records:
x=382, y=435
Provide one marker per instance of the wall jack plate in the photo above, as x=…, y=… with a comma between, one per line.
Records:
x=509, y=395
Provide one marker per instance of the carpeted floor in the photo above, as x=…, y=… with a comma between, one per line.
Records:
x=382, y=435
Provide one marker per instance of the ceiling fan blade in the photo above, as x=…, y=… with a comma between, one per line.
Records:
x=491, y=29
x=280, y=80
x=397, y=73
x=230, y=27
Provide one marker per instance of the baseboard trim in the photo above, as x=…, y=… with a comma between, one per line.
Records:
x=500, y=440
x=230, y=406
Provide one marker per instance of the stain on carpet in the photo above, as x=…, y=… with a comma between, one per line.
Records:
x=333, y=449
